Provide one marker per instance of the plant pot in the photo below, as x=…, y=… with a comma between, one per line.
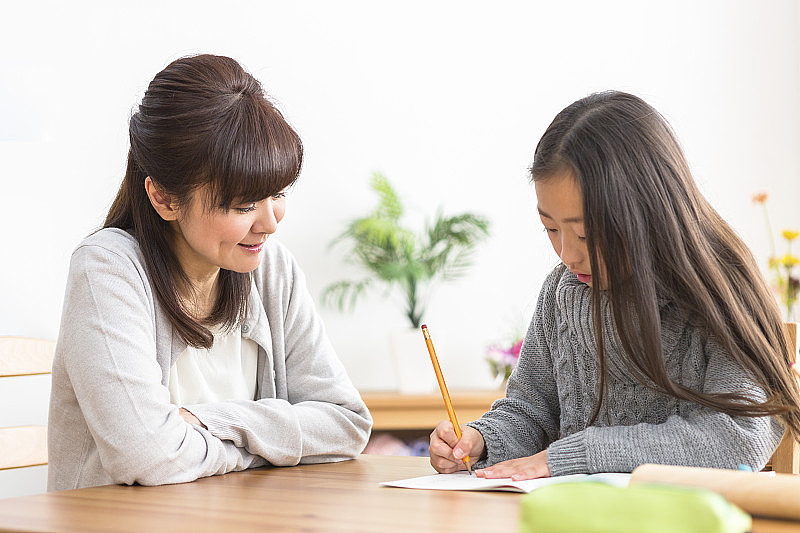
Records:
x=500, y=382
x=414, y=372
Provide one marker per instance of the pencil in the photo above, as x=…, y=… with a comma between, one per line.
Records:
x=443, y=387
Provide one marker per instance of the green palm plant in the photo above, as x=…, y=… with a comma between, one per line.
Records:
x=399, y=258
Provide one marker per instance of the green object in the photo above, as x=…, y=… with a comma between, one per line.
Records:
x=394, y=255
x=588, y=507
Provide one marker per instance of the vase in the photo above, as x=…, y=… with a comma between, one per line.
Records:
x=500, y=381
x=414, y=372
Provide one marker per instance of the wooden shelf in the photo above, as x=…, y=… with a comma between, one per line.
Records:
x=392, y=411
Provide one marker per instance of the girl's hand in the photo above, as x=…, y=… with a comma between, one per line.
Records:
x=447, y=451
x=530, y=467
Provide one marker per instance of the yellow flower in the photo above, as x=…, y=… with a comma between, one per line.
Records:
x=790, y=234
x=789, y=260
x=760, y=198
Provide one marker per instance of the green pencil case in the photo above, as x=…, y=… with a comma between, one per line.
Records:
x=589, y=507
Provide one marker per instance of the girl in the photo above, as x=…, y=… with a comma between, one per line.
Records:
x=189, y=345
x=656, y=340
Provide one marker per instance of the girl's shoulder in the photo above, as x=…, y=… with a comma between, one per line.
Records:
x=562, y=294
x=556, y=277
x=552, y=285
x=559, y=280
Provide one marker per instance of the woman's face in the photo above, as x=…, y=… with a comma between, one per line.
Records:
x=560, y=205
x=207, y=239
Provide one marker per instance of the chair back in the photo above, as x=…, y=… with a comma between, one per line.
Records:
x=786, y=458
x=23, y=446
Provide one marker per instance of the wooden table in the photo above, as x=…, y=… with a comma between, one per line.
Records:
x=330, y=497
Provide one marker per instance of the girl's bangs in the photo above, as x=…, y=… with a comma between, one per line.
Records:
x=254, y=154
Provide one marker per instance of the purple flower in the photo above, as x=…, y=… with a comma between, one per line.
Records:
x=516, y=348
x=503, y=358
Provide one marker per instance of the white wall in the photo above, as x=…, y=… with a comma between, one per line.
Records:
x=447, y=98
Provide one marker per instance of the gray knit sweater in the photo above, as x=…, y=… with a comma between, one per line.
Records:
x=111, y=420
x=552, y=392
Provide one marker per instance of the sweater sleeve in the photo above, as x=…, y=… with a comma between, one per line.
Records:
x=527, y=419
x=107, y=355
x=656, y=430
x=694, y=436
x=319, y=415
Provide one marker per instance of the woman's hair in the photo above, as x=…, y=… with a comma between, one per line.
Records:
x=204, y=122
x=654, y=236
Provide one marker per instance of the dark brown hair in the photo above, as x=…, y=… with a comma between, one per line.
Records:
x=658, y=237
x=204, y=121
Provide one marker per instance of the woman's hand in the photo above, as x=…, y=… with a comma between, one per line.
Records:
x=447, y=451
x=531, y=467
x=190, y=418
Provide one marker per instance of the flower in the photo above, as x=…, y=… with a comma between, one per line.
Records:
x=785, y=283
x=789, y=261
x=503, y=357
x=790, y=234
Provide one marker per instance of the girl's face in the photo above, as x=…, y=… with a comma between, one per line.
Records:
x=209, y=239
x=560, y=205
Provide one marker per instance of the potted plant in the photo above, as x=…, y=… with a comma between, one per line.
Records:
x=394, y=256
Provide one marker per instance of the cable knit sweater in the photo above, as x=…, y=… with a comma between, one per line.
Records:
x=552, y=392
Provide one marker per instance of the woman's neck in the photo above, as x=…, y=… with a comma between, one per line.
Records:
x=200, y=297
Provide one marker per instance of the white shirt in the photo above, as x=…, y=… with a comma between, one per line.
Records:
x=226, y=371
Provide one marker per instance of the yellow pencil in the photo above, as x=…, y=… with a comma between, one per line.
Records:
x=443, y=386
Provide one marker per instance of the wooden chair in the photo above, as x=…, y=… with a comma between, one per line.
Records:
x=23, y=446
x=786, y=458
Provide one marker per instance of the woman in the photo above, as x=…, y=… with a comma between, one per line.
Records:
x=189, y=344
x=656, y=340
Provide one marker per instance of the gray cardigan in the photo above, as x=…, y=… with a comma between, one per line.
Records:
x=552, y=392
x=111, y=420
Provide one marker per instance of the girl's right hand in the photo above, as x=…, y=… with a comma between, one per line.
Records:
x=447, y=451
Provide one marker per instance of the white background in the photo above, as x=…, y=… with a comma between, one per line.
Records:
x=448, y=99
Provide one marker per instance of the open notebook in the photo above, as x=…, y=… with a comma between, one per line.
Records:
x=463, y=481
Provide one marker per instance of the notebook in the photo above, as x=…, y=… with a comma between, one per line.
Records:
x=463, y=481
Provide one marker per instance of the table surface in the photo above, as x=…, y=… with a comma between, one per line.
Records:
x=328, y=497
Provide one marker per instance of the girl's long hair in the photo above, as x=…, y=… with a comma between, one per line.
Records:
x=204, y=122
x=655, y=236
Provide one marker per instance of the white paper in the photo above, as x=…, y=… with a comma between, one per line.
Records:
x=463, y=481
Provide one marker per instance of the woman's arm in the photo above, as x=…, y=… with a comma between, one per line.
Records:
x=319, y=415
x=107, y=355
